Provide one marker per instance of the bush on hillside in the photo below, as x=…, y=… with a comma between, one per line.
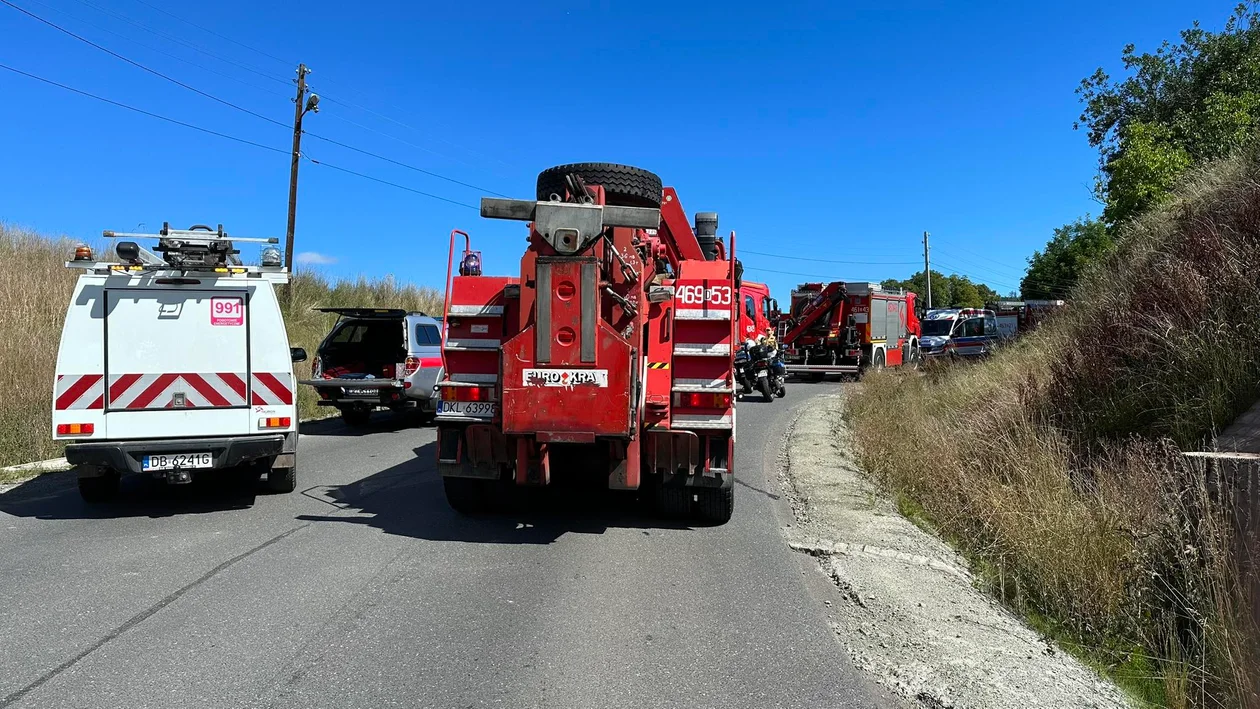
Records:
x=1056, y=464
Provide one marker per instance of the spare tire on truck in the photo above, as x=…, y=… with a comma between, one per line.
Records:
x=624, y=186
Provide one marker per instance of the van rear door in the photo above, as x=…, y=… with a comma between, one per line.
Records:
x=176, y=362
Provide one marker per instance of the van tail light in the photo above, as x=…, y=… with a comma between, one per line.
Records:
x=412, y=364
x=76, y=429
x=317, y=366
x=275, y=422
x=702, y=400
x=461, y=393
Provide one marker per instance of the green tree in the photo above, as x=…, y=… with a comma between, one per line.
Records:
x=1182, y=104
x=1053, y=272
x=963, y=293
x=951, y=291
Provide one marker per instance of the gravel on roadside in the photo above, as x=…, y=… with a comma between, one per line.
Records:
x=912, y=615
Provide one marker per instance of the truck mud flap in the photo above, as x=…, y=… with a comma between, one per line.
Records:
x=475, y=451
x=672, y=452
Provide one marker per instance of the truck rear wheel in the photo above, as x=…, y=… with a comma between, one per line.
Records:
x=673, y=501
x=716, y=505
x=282, y=479
x=100, y=489
x=623, y=185
x=354, y=416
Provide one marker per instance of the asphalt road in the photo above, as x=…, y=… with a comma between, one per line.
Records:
x=364, y=589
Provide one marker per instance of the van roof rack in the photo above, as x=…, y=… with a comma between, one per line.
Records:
x=197, y=248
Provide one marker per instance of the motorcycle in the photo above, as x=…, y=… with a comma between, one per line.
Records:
x=759, y=366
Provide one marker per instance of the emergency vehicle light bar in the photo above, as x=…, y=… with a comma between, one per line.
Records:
x=189, y=235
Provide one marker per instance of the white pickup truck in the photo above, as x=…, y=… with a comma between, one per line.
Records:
x=176, y=363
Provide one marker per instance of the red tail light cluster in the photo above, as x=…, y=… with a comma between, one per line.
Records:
x=450, y=393
x=317, y=366
x=412, y=364
x=701, y=400
x=275, y=422
x=76, y=429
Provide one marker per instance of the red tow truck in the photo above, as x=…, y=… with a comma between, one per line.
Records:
x=608, y=358
x=845, y=328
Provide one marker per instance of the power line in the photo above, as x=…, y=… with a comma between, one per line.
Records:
x=163, y=52
x=142, y=111
x=391, y=184
x=180, y=40
x=199, y=92
x=228, y=137
x=1051, y=287
x=985, y=269
x=138, y=65
x=255, y=70
x=823, y=260
x=400, y=164
x=976, y=255
x=378, y=114
x=391, y=136
x=830, y=277
x=216, y=34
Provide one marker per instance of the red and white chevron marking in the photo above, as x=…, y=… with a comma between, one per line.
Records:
x=157, y=391
x=271, y=388
x=79, y=391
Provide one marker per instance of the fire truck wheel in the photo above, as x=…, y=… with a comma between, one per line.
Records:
x=717, y=505
x=673, y=501
x=468, y=496
x=879, y=360
x=623, y=185
x=282, y=479
x=356, y=416
x=99, y=489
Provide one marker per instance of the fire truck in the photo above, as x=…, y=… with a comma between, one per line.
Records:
x=846, y=328
x=608, y=358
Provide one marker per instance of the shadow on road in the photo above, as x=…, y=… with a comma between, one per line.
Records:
x=407, y=500
x=56, y=496
x=381, y=422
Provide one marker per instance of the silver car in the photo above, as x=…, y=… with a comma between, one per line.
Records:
x=378, y=358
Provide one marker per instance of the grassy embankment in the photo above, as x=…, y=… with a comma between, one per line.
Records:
x=35, y=288
x=1055, y=465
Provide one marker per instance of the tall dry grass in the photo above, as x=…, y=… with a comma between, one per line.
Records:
x=1056, y=464
x=36, y=287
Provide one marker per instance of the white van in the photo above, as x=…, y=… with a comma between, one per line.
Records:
x=176, y=364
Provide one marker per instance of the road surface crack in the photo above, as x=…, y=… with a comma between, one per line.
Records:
x=140, y=618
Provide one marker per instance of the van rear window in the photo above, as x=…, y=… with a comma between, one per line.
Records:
x=427, y=335
x=349, y=332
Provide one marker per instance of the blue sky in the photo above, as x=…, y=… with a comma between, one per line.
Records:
x=830, y=132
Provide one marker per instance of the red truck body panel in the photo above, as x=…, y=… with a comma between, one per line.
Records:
x=617, y=354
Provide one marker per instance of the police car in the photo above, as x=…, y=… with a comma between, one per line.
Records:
x=175, y=362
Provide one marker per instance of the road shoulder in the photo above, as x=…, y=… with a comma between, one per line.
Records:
x=911, y=615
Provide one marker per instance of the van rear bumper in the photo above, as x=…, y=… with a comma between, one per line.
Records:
x=125, y=456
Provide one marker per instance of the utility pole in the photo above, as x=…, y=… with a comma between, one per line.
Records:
x=927, y=267
x=302, y=104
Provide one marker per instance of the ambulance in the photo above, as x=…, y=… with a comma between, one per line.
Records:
x=175, y=362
